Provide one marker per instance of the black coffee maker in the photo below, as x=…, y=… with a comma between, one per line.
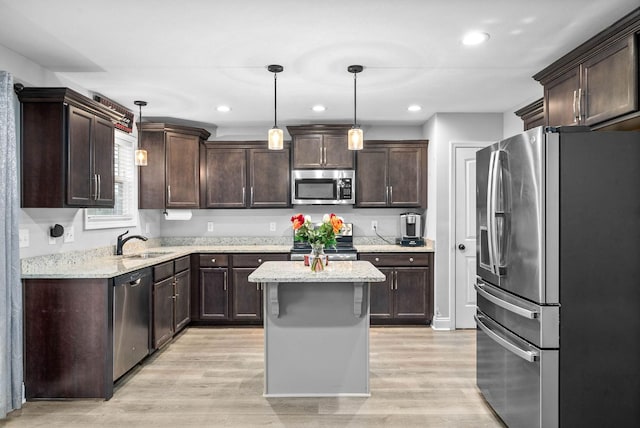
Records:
x=411, y=230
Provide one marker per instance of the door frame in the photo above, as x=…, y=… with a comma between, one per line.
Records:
x=452, y=221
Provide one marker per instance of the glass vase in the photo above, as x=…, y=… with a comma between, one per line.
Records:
x=318, y=258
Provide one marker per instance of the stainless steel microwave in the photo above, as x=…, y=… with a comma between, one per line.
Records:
x=323, y=187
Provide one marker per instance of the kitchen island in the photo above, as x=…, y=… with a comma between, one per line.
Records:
x=316, y=328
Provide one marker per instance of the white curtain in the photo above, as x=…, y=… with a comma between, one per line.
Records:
x=11, y=364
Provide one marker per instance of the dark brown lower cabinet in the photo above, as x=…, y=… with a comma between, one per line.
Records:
x=68, y=338
x=171, y=299
x=406, y=296
x=223, y=293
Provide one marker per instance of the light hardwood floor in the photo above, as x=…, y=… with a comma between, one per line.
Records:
x=213, y=377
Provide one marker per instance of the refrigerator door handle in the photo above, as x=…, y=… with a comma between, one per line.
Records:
x=529, y=356
x=501, y=210
x=526, y=313
x=491, y=186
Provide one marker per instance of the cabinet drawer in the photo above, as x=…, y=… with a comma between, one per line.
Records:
x=214, y=260
x=181, y=264
x=255, y=260
x=398, y=259
x=162, y=271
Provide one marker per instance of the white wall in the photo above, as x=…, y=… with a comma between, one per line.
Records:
x=443, y=129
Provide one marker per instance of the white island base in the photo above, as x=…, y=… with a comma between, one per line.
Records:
x=316, y=328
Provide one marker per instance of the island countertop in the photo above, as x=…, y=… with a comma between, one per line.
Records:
x=335, y=271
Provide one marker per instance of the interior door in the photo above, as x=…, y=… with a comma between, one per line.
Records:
x=465, y=235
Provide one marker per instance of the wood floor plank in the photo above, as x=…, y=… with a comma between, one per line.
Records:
x=213, y=377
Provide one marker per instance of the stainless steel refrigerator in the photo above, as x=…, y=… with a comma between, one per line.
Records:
x=558, y=278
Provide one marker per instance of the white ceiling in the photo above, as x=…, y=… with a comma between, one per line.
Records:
x=187, y=57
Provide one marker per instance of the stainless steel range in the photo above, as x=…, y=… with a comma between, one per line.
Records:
x=344, y=249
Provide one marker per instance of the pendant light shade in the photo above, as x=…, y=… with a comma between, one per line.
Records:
x=355, y=136
x=141, y=154
x=276, y=136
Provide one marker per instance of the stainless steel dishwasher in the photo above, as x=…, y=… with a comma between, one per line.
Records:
x=131, y=320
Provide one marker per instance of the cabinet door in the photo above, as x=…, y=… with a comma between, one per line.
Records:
x=182, y=299
x=308, y=151
x=81, y=181
x=103, y=137
x=151, y=178
x=561, y=99
x=214, y=294
x=226, y=171
x=246, y=297
x=381, y=300
x=411, y=294
x=269, y=178
x=162, y=312
x=610, y=82
x=182, y=165
x=371, y=178
x=407, y=170
x=336, y=153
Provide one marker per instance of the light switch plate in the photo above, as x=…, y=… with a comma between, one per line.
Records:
x=23, y=236
x=69, y=235
x=209, y=226
x=272, y=226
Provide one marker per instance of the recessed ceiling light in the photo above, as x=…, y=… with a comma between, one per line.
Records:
x=475, y=38
x=318, y=108
x=414, y=107
x=223, y=109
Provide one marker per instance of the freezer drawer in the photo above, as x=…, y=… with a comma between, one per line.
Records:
x=537, y=324
x=518, y=380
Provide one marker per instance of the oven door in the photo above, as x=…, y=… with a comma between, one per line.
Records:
x=519, y=380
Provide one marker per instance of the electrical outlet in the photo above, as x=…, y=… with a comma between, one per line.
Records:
x=374, y=224
x=209, y=226
x=23, y=237
x=272, y=226
x=69, y=235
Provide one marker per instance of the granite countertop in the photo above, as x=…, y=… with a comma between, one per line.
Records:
x=101, y=263
x=355, y=271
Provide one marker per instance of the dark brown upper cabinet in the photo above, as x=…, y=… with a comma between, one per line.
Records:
x=597, y=83
x=66, y=149
x=172, y=177
x=245, y=174
x=321, y=147
x=392, y=174
x=532, y=115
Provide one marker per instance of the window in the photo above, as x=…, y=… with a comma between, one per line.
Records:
x=124, y=213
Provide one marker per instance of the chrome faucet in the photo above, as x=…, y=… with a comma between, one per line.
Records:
x=121, y=241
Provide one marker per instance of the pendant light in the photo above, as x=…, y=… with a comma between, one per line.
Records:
x=276, y=136
x=141, y=154
x=355, y=136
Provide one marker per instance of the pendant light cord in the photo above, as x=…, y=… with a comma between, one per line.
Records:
x=354, y=99
x=275, y=100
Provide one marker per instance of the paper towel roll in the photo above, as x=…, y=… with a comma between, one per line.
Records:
x=177, y=214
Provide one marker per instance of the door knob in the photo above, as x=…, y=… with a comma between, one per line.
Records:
x=461, y=247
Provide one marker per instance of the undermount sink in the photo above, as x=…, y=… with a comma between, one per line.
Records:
x=146, y=255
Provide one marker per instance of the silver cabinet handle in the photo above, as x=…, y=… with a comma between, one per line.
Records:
x=251, y=197
x=377, y=259
x=387, y=195
x=579, y=104
x=176, y=295
x=321, y=156
x=95, y=186
x=575, y=97
x=410, y=259
x=324, y=162
x=169, y=193
x=525, y=355
x=395, y=275
x=259, y=260
x=244, y=196
x=99, y=187
x=213, y=260
x=135, y=283
x=504, y=304
x=390, y=194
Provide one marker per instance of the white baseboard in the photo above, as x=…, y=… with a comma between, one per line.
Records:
x=442, y=323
